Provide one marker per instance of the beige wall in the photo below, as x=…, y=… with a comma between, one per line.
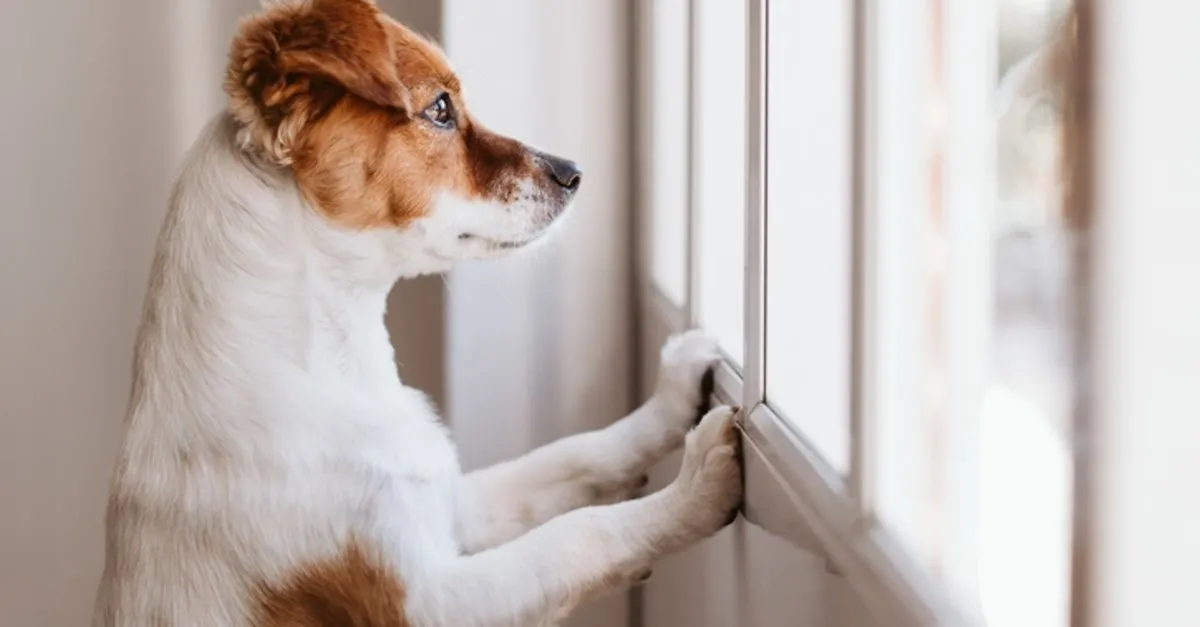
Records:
x=90, y=128
x=100, y=101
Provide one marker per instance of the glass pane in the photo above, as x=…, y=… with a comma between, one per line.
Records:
x=668, y=145
x=1025, y=418
x=971, y=324
x=720, y=153
x=809, y=152
x=902, y=192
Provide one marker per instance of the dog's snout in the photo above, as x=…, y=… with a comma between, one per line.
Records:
x=563, y=171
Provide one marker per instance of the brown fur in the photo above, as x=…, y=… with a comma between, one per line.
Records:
x=335, y=90
x=350, y=590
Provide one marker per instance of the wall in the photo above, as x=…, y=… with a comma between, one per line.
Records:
x=98, y=108
x=101, y=100
x=1141, y=436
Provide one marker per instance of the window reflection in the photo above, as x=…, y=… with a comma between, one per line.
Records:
x=1025, y=454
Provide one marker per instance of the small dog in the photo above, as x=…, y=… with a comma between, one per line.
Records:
x=275, y=471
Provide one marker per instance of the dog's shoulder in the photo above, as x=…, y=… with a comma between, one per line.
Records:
x=408, y=439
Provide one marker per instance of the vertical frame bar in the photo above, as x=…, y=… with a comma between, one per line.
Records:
x=897, y=195
x=692, y=248
x=969, y=62
x=1080, y=143
x=754, y=319
x=931, y=246
x=860, y=255
x=1145, y=346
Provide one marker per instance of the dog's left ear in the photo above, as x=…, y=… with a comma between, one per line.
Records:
x=281, y=58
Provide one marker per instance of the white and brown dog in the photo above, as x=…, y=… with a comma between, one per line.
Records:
x=275, y=471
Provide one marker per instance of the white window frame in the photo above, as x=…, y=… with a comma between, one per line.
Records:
x=1136, y=539
x=826, y=513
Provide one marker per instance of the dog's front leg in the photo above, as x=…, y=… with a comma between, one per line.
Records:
x=538, y=578
x=499, y=503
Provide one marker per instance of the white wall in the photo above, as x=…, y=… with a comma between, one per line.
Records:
x=1144, y=435
x=100, y=101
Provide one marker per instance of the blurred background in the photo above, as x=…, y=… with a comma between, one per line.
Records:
x=970, y=318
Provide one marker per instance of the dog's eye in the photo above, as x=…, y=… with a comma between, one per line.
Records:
x=441, y=112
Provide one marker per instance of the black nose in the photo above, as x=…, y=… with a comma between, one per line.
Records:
x=564, y=172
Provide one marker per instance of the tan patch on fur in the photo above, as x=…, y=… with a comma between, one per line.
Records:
x=350, y=590
x=335, y=90
x=291, y=58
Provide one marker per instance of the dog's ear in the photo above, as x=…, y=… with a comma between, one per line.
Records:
x=294, y=58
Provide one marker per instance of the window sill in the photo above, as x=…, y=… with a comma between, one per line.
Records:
x=793, y=494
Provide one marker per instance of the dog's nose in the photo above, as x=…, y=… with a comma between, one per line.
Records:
x=564, y=172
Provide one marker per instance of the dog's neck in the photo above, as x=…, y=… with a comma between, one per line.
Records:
x=250, y=286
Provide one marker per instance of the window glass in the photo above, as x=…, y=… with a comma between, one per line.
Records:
x=668, y=131
x=970, y=371
x=808, y=253
x=720, y=169
x=1025, y=416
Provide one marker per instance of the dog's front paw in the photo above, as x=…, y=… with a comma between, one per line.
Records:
x=709, y=485
x=686, y=358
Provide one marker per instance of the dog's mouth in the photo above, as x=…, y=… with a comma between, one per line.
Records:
x=498, y=243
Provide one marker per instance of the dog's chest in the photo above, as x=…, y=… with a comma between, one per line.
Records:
x=405, y=439
x=389, y=475
x=413, y=470
x=364, y=445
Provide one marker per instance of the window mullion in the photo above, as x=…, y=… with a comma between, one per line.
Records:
x=862, y=432
x=755, y=321
x=969, y=192
x=692, y=248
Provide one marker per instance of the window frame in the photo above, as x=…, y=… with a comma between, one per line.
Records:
x=825, y=513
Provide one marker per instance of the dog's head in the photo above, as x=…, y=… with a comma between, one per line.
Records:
x=371, y=120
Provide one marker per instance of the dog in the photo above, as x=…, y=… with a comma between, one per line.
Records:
x=274, y=470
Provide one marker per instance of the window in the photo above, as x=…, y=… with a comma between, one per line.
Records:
x=719, y=161
x=971, y=318
x=668, y=139
x=808, y=221
x=875, y=228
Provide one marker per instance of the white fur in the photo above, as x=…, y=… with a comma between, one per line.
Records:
x=527, y=220
x=268, y=425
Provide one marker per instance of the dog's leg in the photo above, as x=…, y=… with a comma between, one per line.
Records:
x=539, y=577
x=500, y=503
